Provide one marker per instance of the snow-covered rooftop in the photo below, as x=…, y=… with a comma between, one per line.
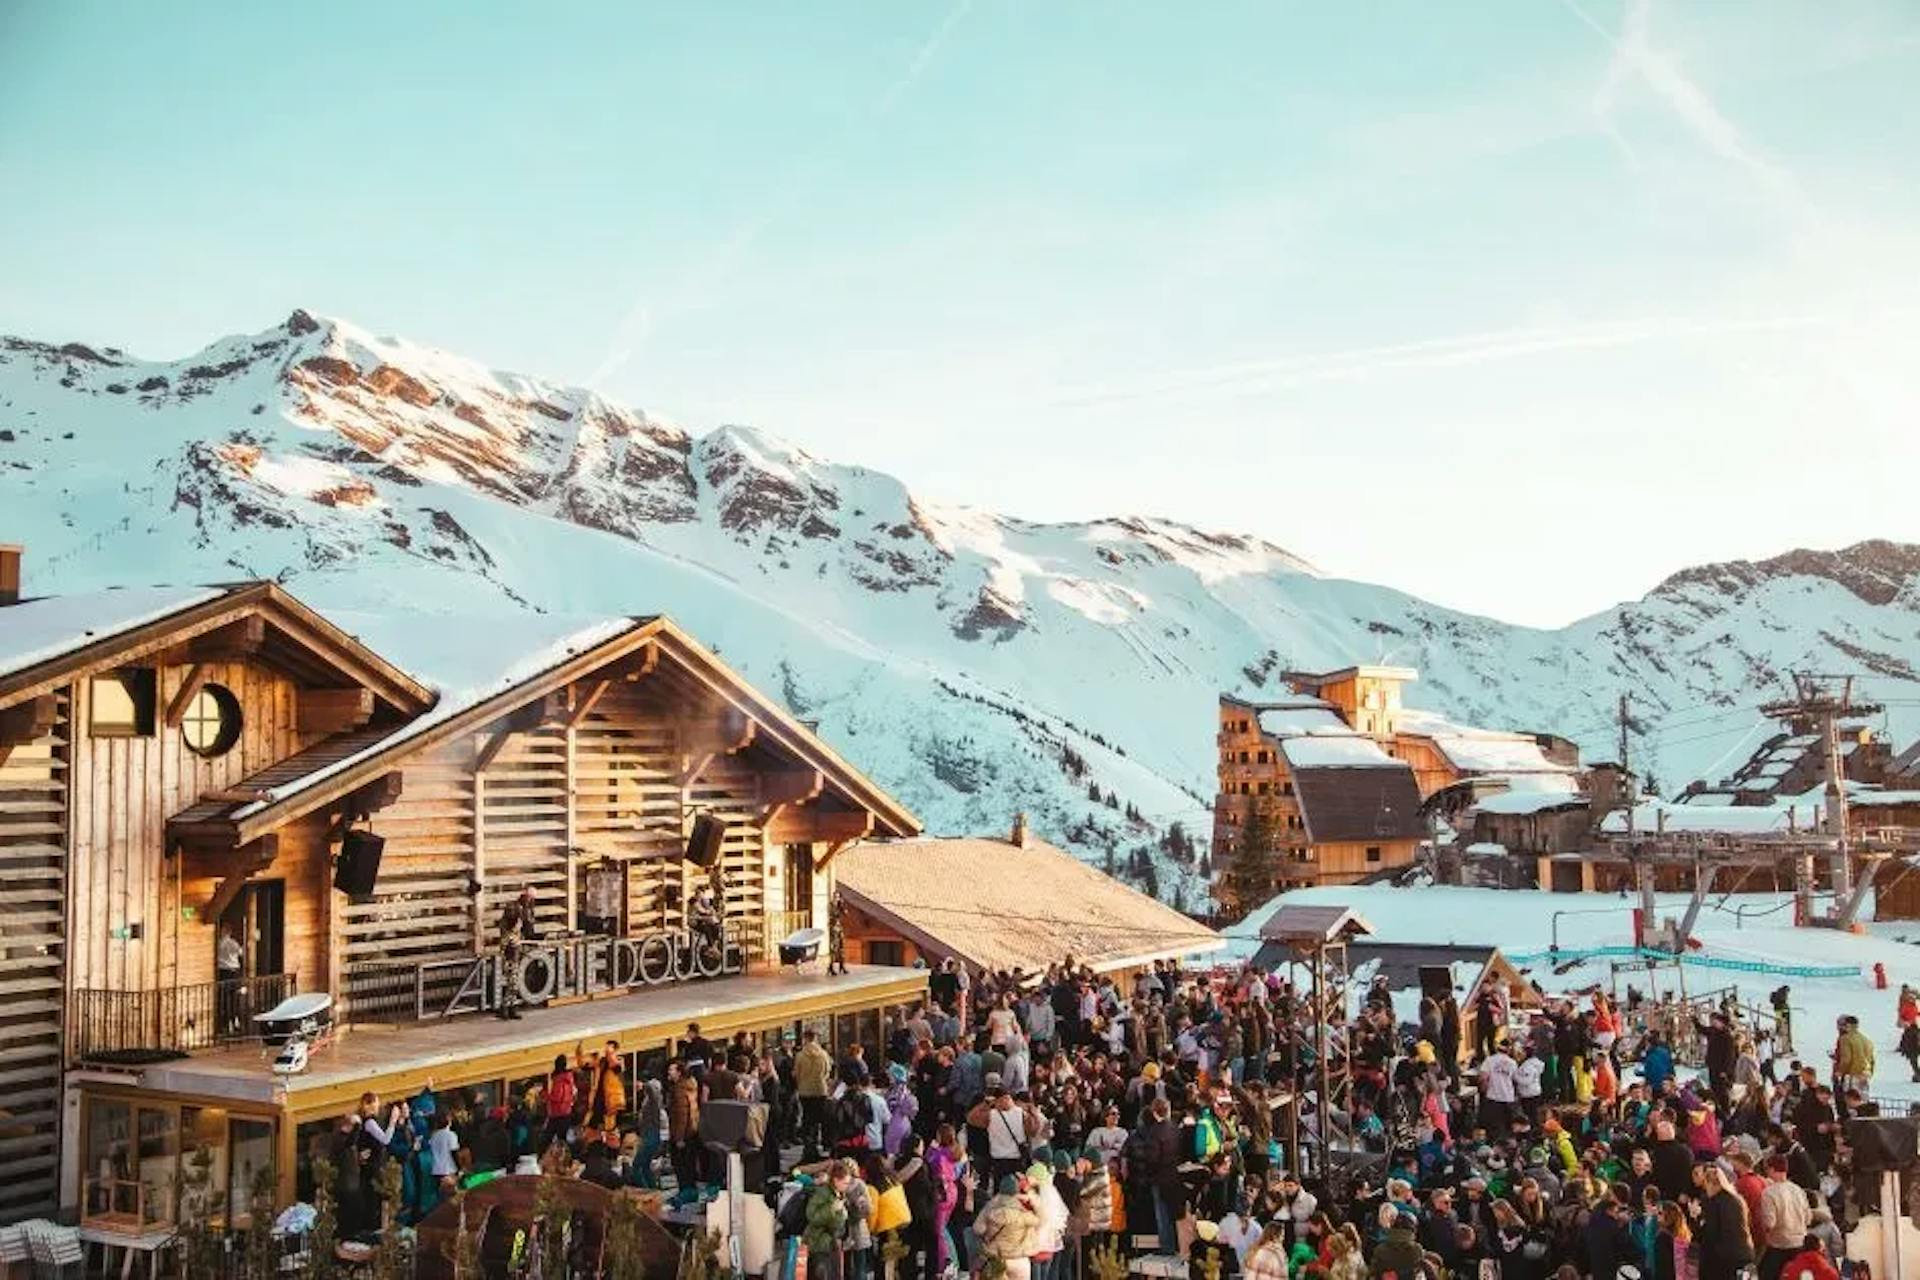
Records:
x=1309, y=715
x=1485, y=752
x=1529, y=801
x=39, y=630
x=1650, y=815
x=1337, y=751
x=466, y=664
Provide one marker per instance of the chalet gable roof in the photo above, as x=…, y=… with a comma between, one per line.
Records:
x=50, y=641
x=533, y=675
x=996, y=905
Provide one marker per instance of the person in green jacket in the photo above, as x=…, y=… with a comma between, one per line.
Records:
x=827, y=1223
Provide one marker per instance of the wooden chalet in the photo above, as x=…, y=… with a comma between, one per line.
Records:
x=1003, y=905
x=181, y=764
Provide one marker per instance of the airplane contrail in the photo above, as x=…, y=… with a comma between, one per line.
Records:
x=1475, y=348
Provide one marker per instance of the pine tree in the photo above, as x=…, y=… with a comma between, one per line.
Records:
x=623, y=1241
x=392, y=1251
x=325, y=1234
x=1093, y=792
x=1253, y=874
x=1108, y=863
x=555, y=1218
x=261, y=1253
x=201, y=1244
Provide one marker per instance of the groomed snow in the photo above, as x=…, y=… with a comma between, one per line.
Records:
x=36, y=631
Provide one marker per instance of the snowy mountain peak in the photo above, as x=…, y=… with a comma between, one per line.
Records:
x=1877, y=571
x=977, y=663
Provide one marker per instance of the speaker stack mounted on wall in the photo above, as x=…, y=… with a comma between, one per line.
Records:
x=703, y=843
x=358, y=866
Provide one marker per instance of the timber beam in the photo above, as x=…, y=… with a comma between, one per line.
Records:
x=247, y=862
x=26, y=721
x=184, y=695
x=238, y=641
x=789, y=787
x=838, y=830
x=333, y=710
x=583, y=705
x=364, y=803
x=734, y=732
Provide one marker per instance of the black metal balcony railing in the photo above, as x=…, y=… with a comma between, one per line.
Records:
x=108, y=1024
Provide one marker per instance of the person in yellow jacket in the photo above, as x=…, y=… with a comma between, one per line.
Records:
x=812, y=1079
x=1582, y=1080
x=1852, y=1057
x=1560, y=1145
x=608, y=1097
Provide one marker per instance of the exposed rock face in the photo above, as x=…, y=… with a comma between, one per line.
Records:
x=975, y=663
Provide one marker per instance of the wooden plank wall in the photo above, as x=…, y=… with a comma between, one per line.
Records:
x=607, y=788
x=33, y=864
x=128, y=788
x=304, y=865
x=423, y=910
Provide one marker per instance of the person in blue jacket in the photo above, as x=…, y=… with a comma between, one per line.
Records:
x=1656, y=1064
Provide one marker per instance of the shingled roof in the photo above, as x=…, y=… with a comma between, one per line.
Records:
x=1359, y=804
x=996, y=905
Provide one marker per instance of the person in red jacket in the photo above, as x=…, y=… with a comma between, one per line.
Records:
x=1811, y=1263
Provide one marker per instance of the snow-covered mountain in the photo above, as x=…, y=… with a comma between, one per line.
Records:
x=975, y=663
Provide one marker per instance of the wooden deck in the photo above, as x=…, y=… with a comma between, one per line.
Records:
x=395, y=1061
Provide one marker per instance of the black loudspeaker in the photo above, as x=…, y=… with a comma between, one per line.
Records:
x=703, y=846
x=358, y=865
x=1882, y=1144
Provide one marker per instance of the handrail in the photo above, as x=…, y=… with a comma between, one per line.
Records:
x=181, y=1019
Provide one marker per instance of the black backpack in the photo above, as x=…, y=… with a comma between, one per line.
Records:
x=851, y=1112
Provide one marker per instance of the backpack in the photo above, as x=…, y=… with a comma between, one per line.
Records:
x=851, y=1112
x=561, y=1094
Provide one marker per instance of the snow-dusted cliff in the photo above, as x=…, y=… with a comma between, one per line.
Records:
x=975, y=663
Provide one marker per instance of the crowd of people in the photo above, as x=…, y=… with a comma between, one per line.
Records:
x=1015, y=1120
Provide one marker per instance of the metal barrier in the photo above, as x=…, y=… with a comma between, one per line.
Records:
x=173, y=1019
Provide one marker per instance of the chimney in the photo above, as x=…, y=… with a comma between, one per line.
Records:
x=1019, y=840
x=10, y=554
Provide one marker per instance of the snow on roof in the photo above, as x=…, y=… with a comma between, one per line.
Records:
x=465, y=663
x=1650, y=815
x=1309, y=715
x=1487, y=849
x=1337, y=751
x=997, y=905
x=1527, y=800
x=1871, y=799
x=39, y=630
x=1486, y=752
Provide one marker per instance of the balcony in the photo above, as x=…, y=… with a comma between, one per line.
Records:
x=130, y=1027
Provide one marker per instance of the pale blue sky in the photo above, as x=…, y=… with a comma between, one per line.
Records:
x=1519, y=305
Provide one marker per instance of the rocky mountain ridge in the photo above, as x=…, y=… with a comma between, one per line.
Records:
x=975, y=663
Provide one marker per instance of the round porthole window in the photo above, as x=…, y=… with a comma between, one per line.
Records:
x=212, y=723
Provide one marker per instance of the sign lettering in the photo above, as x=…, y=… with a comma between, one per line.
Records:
x=595, y=966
